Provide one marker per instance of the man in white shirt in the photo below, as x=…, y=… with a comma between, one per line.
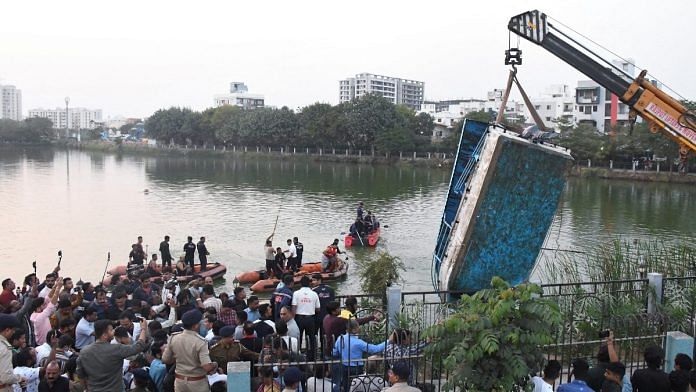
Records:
x=26, y=360
x=48, y=282
x=552, y=371
x=289, y=318
x=44, y=350
x=305, y=306
x=210, y=300
x=84, y=332
x=291, y=254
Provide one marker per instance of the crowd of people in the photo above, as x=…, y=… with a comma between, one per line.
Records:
x=609, y=373
x=156, y=333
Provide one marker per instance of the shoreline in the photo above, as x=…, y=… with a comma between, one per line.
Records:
x=140, y=149
x=630, y=175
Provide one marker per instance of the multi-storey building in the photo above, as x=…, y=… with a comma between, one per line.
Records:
x=239, y=96
x=78, y=118
x=399, y=91
x=596, y=106
x=10, y=103
x=555, y=105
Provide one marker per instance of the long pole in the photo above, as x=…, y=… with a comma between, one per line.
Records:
x=108, y=259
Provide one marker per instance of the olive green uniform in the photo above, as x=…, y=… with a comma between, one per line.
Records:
x=235, y=352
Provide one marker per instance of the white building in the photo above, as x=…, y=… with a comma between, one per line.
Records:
x=10, y=103
x=399, y=91
x=239, y=96
x=555, y=104
x=596, y=106
x=79, y=118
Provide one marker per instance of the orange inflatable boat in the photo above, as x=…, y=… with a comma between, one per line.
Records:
x=268, y=285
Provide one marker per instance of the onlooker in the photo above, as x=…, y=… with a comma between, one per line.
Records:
x=291, y=379
x=250, y=340
x=319, y=382
x=679, y=377
x=52, y=381
x=84, y=332
x=651, y=379
x=100, y=364
x=252, y=310
x=164, y=251
x=579, y=373
x=398, y=377
x=614, y=375
x=552, y=371
x=287, y=316
x=238, y=301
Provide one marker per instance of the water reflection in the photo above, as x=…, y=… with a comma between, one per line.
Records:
x=234, y=203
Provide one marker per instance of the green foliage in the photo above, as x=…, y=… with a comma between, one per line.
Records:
x=378, y=273
x=31, y=130
x=492, y=341
x=368, y=122
x=621, y=144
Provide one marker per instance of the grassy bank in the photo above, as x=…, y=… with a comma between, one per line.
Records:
x=142, y=149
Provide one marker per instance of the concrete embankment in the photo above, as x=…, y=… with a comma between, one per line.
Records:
x=638, y=175
x=435, y=161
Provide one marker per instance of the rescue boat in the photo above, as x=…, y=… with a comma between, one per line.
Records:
x=213, y=270
x=268, y=285
x=367, y=240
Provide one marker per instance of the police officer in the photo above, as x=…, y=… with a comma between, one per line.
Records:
x=190, y=353
x=299, y=247
x=8, y=324
x=202, y=253
x=228, y=350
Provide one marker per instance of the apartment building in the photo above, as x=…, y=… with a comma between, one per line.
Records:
x=10, y=103
x=77, y=118
x=399, y=91
x=555, y=104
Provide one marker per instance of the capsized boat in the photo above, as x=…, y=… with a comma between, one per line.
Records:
x=503, y=196
x=214, y=270
x=268, y=285
x=366, y=240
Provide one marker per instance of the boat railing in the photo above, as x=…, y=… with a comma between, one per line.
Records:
x=457, y=186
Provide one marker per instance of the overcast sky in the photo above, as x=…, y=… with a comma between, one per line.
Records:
x=131, y=58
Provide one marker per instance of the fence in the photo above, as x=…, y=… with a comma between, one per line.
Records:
x=312, y=151
x=636, y=166
x=640, y=312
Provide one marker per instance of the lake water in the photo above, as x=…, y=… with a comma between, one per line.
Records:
x=88, y=204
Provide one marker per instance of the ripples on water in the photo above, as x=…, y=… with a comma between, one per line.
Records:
x=88, y=204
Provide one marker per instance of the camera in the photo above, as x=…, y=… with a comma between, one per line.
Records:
x=604, y=334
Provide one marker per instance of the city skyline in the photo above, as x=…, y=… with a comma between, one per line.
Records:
x=167, y=54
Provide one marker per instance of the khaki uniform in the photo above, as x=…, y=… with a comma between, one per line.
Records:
x=190, y=351
x=235, y=352
x=7, y=378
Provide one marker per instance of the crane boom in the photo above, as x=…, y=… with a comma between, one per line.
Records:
x=664, y=113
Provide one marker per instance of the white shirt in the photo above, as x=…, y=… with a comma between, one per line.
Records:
x=84, y=333
x=213, y=302
x=306, y=300
x=319, y=385
x=293, y=329
x=32, y=376
x=292, y=343
x=44, y=292
x=43, y=351
x=540, y=385
x=292, y=250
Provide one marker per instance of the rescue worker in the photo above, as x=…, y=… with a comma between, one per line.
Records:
x=189, y=351
x=7, y=377
x=329, y=258
x=190, y=251
x=229, y=350
x=203, y=253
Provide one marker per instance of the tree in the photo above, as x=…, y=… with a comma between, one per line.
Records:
x=378, y=273
x=317, y=124
x=492, y=341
